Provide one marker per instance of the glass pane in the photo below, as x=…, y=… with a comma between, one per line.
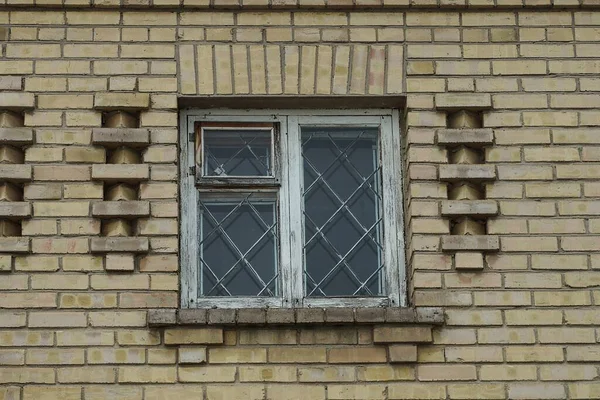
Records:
x=237, y=153
x=238, y=247
x=342, y=212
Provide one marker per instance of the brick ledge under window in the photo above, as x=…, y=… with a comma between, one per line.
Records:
x=296, y=316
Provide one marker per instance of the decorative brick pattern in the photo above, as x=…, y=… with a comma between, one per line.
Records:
x=507, y=89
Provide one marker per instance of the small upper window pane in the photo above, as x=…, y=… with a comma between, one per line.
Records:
x=237, y=152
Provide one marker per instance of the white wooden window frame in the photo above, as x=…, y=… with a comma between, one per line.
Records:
x=290, y=204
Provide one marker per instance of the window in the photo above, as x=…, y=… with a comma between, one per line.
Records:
x=291, y=209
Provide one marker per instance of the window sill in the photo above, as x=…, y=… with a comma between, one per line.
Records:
x=295, y=316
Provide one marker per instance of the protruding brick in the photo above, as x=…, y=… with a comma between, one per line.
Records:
x=478, y=173
x=339, y=315
x=475, y=208
x=124, y=209
x=471, y=137
x=280, y=316
x=369, y=314
x=119, y=262
x=121, y=101
x=470, y=243
x=221, y=316
x=15, y=210
x=192, y=316
x=16, y=136
x=15, y=173
x=121, y=137
x=121, y=173
x=400, y=353
x=15, y=245
x=120, y=245
x=194, y=336
x=162, y=317
x=16, y=101
x=251, y=316
x=402, y=334
x=310, y=315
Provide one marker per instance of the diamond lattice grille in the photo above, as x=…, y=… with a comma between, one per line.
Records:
x=238, y=247
x=342, y=203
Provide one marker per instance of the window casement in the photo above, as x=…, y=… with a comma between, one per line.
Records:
x=291, y=208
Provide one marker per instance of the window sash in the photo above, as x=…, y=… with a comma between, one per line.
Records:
x=291, y=223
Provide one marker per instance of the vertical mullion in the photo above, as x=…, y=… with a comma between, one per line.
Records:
x=189, y=217
x=401, y=271
x=392, y=245
x=285, y=256
x=296, y=206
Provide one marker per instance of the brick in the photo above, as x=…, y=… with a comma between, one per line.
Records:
x=553, y=298
x=468, y=261
x=357, y=355
x=454, y=173
x=300, y=355
x=26, y=375
x=237, y=355
x=121, y=101
x=470, y=243
x=119, y=244
x=191, y=355
x=402, y=353
x=194, y=336
x=446, y=372
x=120, y=173
x=472, y=137
x=566, y=335
x=16, y=136
x=504, y=298
x=583, y=353
x=529, y=317
x=267, y=336
x=86, y=374
x=536, y=391
x=383, y=334
x=121, y=209
x=114, y=137
x=534, y=354
x=148, y=374
x=508, y=372
x=447, y=101
x=15, y=173
x=65, y=319
x=120, y=392
x=16, y=101
x=207, y=374
x=473, y=354
x=479, y=208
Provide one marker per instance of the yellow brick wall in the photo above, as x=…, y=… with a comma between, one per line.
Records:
x=527, y=326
